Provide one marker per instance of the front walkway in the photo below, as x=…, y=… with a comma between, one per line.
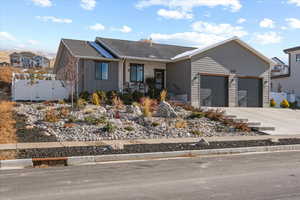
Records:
x=285, y=121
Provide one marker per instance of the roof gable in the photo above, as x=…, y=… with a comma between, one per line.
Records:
x=190, y=54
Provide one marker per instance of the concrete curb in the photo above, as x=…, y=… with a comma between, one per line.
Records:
x=86, y=160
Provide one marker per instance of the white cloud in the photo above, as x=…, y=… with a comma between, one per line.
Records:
x=7, y=36
x=97, y=27
x=297, y=2
x=267, y=23
x=88, y=4
x=42, y=3
x=267, y=38
x=125, y=29
x=33, y=42
x=234, y=5
x=226, y=30
x=293, y=23
x=54, y=19
x=174, y=14
x=203, y=34
x=241, y=20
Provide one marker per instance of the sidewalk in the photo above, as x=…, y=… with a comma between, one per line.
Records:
x=121, y=143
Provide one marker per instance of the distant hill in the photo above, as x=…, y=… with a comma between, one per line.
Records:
x=4, y=56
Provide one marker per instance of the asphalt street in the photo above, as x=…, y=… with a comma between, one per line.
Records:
x=272, y=176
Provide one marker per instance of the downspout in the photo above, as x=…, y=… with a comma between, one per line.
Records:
x=124, y=72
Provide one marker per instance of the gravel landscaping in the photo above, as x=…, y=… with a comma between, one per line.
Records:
x=59, y=122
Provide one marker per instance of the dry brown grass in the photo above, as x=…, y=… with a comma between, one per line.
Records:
x=6, y=74
x=7, y=123
x=8, y=155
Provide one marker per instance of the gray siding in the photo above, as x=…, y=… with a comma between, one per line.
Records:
x=178, y=77
x=233, y=60
x=89, y=82
x=62, y=58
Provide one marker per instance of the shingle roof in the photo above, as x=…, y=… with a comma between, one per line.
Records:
x=291, y=49
x=125, y=48
x=81, y=48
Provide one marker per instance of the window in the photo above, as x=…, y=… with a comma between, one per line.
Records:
x=297, y=57
x=136, y=73
x=101, y=71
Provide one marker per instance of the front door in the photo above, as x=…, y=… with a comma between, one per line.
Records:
x=159, y=76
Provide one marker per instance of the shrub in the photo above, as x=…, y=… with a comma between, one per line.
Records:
x=272, y=103
x=242, y=127
x=48, y=103
x=129, y=128
x=197, y=132
x=85, y=95
x=95, y=99
x=80, y=103
x=64, y=112
x=117, y=102
x=69, y=125
x=62, y=102
x=215, y=115
x=293, y=105
x=110, y=95
x=196, y=115
x=181, y=124
x=109, y=127
x=127, y=98
x=95, y=121
x=71, y=119
x=40, y=107
x=148, y=106
x=163, y=95
x=102, y=96
x=155, y=124
x=284, y=104
x=136, y=95
x=51, y=116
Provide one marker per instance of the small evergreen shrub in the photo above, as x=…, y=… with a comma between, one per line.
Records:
x=129, y=128
x=196, y=115
x=197, y=132
x=155, y=124
x=284, y=104
x=109, y=127
x=272, y=103
x=85, y=95
x=80, y=103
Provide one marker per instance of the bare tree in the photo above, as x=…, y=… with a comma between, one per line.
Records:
x=68, y=73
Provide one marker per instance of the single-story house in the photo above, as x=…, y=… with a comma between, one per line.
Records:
x=229, y=73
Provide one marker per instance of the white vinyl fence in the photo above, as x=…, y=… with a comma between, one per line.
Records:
x=45, y=87
x=280, y=96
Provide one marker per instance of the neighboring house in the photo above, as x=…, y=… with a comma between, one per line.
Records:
x=4, y=64
x=28, y=60
x=229, y=73
x=289, y=82
x=280, y=69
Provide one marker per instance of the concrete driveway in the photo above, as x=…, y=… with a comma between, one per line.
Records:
x=285, y=121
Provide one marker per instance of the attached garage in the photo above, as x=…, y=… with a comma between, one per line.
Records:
x=250, y=92
x=214, y=91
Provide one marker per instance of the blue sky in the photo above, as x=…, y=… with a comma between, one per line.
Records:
x=268, y=25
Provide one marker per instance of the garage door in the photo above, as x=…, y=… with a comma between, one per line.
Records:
x=214, y=91
x=250, y=92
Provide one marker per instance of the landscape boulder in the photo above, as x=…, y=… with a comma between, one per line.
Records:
x=166, y=110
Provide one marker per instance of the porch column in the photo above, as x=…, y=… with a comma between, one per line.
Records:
x=120, y=75
x=233, y=90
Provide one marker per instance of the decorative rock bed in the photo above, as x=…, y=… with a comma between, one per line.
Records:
x=94, y=123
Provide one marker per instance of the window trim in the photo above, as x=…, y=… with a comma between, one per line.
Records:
x=136, y=65
x=99, y=64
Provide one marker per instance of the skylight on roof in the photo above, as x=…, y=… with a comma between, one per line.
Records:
x=101, y=50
